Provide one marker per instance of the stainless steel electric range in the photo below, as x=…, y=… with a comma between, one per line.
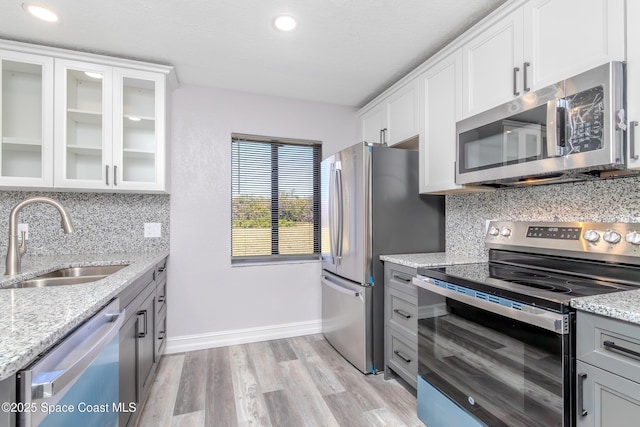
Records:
x=496, y=340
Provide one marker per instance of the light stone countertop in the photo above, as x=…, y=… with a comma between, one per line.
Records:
x=33, y=319
x=618, y=305
x=434, y=259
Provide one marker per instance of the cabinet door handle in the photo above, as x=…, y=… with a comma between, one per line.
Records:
x=115, y=172
x=524, y=75
x=142, y=313
x=582, y=376
x=402, y=313
x=610, y=345
x=632, y=140
x=402, y=356
x=161, y=298
x=401, y=279
x=383, y=136
x=515, y=81
x=106, y=174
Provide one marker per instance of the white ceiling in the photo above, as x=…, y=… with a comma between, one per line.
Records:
x=343, y=51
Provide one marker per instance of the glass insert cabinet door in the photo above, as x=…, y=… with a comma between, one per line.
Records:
x=26, y=120
x=138, y=152
x=83, y=125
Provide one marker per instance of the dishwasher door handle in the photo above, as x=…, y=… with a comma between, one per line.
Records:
x=47, y=384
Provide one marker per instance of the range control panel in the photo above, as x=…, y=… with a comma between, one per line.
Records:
x=585, y=237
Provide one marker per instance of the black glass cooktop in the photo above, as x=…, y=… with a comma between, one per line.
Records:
x=545, y=286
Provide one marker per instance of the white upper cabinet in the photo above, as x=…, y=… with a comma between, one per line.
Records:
x=26, y=120
x=492, y=64
x=139, y=149
x=110, y=128
x=538, y=44
x=394, y=119
x=442, y=92
x=633, y=83
x=84, y=125
x=563, y=38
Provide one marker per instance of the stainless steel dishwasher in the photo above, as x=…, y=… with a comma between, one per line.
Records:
x=76, y=382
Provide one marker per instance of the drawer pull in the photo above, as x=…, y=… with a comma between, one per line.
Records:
x=402, y=356
x=401, y=279
x=161, y=299
x=582, y=376
x=402, y=313
x=610, y=345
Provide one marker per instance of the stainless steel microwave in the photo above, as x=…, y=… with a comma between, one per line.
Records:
x=571, y=130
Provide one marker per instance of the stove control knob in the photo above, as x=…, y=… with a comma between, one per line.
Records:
x=591, y=236
x=506, y=232
x=493, y=231
x=633, y=237
x=611, y=237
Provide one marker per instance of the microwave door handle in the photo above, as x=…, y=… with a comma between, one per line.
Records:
x=556, y=133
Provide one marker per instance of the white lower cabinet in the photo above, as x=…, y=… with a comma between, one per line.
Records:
x=607, y=372
x=401, y=323
x=607, y=399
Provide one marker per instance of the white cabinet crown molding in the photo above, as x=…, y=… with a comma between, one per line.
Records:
x=61, y=53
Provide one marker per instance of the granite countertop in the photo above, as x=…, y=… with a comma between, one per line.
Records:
x=33, y=319
x=618, y=305
x=434, y=259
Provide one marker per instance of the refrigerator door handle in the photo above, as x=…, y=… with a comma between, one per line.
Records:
x=332, y=221
x=340, y=227
x=341, y=289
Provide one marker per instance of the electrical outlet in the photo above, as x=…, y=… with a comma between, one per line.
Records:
x=152, y=229
x=23, y=227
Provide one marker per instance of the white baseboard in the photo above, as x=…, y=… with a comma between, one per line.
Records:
x=241, y=336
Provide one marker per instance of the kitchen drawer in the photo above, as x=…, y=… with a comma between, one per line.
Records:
x=161, y=296
x=161, y=333
x=401, y=311
x=161, y=270
x=609, y=343
x=399, y=277
x=402, y=355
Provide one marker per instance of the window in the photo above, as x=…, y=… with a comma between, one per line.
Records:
x=275, y=199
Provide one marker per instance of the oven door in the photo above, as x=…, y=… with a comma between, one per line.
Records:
x=485, y=360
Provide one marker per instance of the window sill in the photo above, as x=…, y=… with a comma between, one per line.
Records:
x=274, y=262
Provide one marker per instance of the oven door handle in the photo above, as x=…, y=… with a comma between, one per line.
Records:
x=554, y=322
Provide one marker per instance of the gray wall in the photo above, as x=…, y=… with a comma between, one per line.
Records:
x=104, y=223
x=613, y=200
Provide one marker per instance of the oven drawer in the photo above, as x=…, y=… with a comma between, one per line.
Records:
x=609, y=343
x=402, y=311
x=402, y=355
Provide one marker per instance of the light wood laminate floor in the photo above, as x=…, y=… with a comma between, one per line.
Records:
x=294, y=382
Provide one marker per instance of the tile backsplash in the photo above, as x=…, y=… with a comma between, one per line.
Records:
x=104, y=223
x=611, y=200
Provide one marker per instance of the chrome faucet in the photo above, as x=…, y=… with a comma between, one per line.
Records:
x=15, y=252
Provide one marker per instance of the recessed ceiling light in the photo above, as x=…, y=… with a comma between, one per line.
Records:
x=40, y=12
x=285, y=23
x=93, y=74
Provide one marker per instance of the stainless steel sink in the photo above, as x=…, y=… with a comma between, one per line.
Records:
x=70, y=276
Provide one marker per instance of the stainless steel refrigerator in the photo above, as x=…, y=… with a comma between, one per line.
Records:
x=370, y=206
